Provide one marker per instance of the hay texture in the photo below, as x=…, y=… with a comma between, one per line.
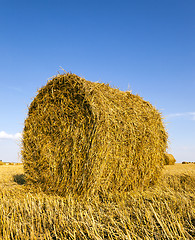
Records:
x=85, y=137
x=169, y=159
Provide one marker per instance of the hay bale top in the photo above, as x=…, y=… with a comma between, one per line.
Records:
x=101, y=96
x=85, y=137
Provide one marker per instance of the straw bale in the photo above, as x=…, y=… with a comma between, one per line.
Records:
x=169, y=159
x=184, y=162
x=85, y=137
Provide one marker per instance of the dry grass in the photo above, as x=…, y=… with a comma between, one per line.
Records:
x=87, y=137
x=169, y=159
x=7, y=172
x=180, y=169
x=165, y=211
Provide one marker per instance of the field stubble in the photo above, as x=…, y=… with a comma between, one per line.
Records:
x=165, y=211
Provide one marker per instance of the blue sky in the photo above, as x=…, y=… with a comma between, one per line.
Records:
x=144, y=46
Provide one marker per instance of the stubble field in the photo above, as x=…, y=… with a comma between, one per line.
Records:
x=164, y=211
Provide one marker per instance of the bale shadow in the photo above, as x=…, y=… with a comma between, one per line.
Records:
x=19, y=179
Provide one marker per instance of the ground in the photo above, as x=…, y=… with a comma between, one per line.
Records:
x=164, y=211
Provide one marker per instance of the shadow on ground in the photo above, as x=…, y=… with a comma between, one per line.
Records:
x=19, y=179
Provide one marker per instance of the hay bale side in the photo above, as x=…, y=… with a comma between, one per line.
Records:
x=83, y=137
x=169, y=159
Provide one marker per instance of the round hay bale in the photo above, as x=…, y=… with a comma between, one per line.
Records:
x=85, y=137
x=169, y=159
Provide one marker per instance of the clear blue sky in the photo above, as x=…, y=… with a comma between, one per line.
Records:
x=145, y=46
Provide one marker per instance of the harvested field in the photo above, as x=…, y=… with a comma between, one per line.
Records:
x=180, y=169
x=164, y=211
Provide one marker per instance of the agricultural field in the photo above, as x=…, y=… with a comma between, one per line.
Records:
x=164, y=211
